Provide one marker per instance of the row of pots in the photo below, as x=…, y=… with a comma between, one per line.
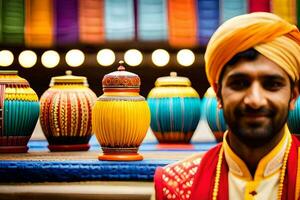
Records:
x=70, y=112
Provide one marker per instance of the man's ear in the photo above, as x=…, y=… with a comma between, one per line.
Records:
x=294, y=96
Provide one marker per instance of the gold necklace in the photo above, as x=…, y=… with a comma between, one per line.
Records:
x=281, y=178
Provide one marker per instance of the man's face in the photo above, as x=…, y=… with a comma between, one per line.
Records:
x=256, y=97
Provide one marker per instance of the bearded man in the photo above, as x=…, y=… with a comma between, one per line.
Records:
x=252, y=62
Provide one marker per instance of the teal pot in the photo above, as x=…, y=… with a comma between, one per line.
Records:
x=19, y=112
x=213, y=114
x=294, y=119
x=175, y=109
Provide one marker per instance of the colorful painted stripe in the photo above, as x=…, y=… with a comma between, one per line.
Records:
x=285, y=9
x=2, y=97
x=152, y=20
x=66, y=20
x=20, y=93
x=298, y=15
x=174, y=114
x=259, y=6
x=208, y=19
x=67, y=112
x=119, y=20
x=214, y=115
x=232, y=8
x=91, y=21
x=13, y=21
x=39, y=23
x=20, y=117
x=182, y=23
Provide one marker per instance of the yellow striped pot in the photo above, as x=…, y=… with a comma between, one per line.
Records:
x=66, y=113
x=19, y=112
x=121, y=117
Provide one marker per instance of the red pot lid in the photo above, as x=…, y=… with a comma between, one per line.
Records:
x=121, y=80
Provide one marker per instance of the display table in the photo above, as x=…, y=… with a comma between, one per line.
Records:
x=108, y=190
x=80, y=175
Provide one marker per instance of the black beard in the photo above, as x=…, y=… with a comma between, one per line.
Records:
x=253, y=134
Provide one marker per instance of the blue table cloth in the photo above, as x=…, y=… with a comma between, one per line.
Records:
x=40, y=165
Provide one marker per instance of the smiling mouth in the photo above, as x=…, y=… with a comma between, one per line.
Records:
x=256, y=114
x=255, y=118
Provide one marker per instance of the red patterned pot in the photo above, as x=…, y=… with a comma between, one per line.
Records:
x=66, y=113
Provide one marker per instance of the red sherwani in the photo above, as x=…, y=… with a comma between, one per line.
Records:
x=194, y=180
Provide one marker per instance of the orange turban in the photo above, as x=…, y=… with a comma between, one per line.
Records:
x=267, y=33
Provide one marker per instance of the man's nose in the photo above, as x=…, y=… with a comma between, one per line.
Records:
x=255, y=96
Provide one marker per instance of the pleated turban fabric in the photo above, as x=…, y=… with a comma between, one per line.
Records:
x=270, y=35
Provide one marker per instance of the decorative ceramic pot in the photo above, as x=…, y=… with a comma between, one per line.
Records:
x=175, y=109
x=294, y=119
x=121, y=117
x=19, y=112
x=213, y=114
x=66, y=113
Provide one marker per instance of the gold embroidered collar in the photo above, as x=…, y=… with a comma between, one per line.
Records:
x=268, y=165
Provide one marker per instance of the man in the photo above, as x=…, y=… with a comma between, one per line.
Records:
x=253, y=64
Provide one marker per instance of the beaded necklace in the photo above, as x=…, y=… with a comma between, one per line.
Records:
x=281, y=178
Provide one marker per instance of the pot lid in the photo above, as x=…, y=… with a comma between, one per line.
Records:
x=68, y=79
x=8, y=72
x=121, y=79
x=210, y=93
x=172, y=80
x=11, y=76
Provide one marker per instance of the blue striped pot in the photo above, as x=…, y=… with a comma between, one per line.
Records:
x=19, y=112
x=175, y=109
x=294, y=119
x=213, y=114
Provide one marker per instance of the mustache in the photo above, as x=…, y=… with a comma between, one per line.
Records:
x=250, y=111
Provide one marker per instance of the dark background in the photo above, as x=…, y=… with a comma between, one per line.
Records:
x=39, y=76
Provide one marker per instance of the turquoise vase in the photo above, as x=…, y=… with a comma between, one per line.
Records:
x=213, y=114
x=175, y=109
x=19, y=112
x=294, y=120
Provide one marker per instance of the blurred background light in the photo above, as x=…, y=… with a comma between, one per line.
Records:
x=6, y=58
x=74, y=58
x=133, y=57
x=27, y=59
x=160, y=57
x=106, y=57
x=185, y=57
x=50, y=59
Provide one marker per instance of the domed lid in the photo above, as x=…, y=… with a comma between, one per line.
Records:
x=172, y=80
x=8, y=72
x=11, y=76
x=210, y=93
x=121, y=80
x=68, y=79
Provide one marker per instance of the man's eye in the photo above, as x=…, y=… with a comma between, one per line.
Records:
x=273, y=85
x=238, y=84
